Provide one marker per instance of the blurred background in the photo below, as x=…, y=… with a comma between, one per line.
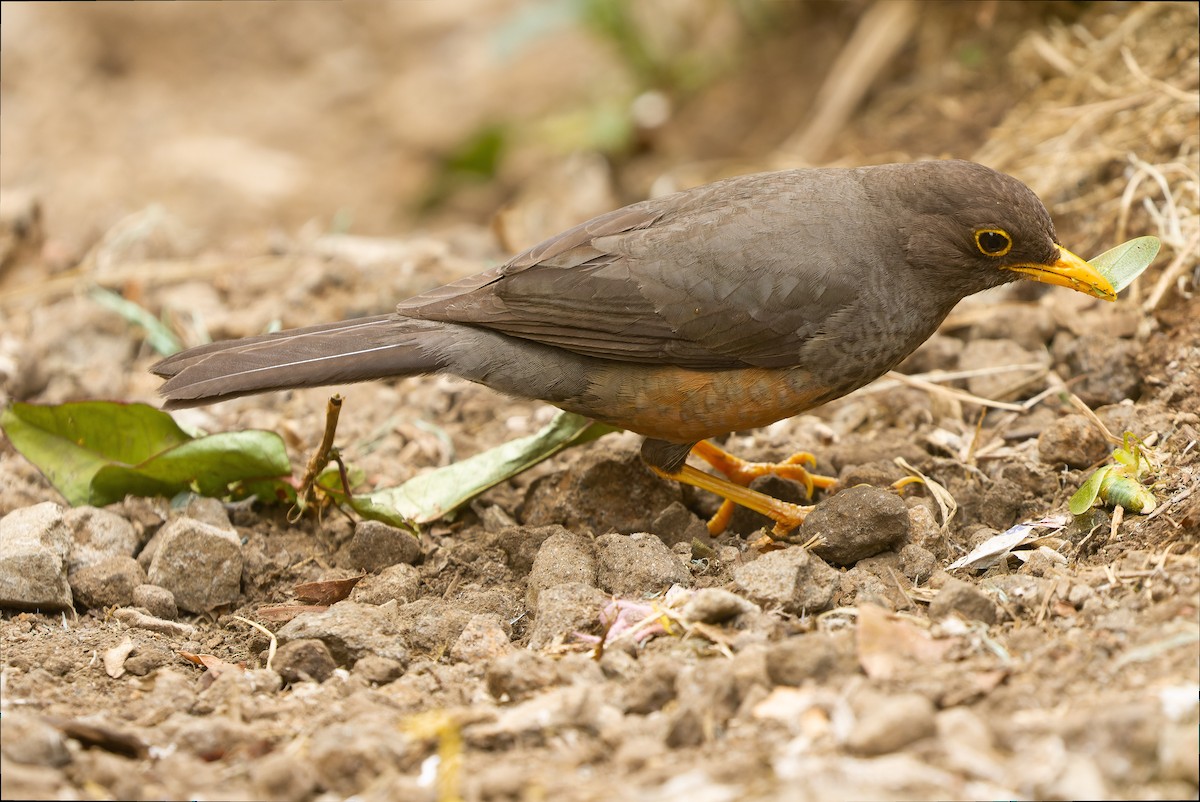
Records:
x=226, y=168
x=383, y=117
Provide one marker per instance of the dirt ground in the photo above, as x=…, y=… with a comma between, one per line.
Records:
x=574, y=634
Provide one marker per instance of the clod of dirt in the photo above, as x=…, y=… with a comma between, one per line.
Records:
x=889, y=723
x=521, y=674
x=605, y=490
x=431, y=626
x=636, y=564
x=857, y=523
x=520, y=544
x=375, y=546
x=304, y=660
x=96, y=535
x=917, y=563
x=1031, y=329
x=794, y=579
x=147, y=658
x=650, y=682
x=485, y=636
x=351, y=630
x=877, y=474
x=925, y=532
x=378, y=670
x=401, y=582
x=29, y=740
x=563, y=610
x=678, y=524
x=155, y=600
x=884, y=446
x=815, y=656
x=564, y=557
x=200, y=564
x=350, y=755
x=1107, y=366
x=994, y=354
x=34, y=544
x=965, y=600
x=108, y=583
x=207, y=510
x=716, y=606
x=1071, y=440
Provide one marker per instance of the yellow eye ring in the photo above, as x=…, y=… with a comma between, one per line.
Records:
x=993, y=241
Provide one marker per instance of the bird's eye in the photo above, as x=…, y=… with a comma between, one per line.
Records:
x=993, y=241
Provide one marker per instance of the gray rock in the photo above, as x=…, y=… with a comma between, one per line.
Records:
x=891, y=723
x=984, y=353
x=565, y=609
x=376, y=546
x=917, y=562
x=431, y=626
x=484, y=637
x=155, y=600
x=520, y=544
x=814, y=657
x=564, y=557
x=34, y=543
x=304, y=659
x=638, y=564
x=351, y=630
x=401, y=582
x=715, y=606
x=378, y=670
x=678, y=524
x=107, y=583
x=793, y=579
x=206, y=510
x=1108, y=368
x=963, y=598
x=605, y=490
x=521, y=674
x=925, y=532
x=147, y=658
x=1071, y=440
x=26, y=738
x=98, y=535
x=856, y=523
x=199, y=564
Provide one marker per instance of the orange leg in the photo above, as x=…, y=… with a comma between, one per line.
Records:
x=742, y=472
x=786, y=516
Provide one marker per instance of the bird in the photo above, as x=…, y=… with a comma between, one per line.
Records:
x=686, y=317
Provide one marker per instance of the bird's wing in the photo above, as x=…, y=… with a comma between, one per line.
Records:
x=734, y=274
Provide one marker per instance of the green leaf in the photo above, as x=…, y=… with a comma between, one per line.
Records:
x=1122, y=264
x=432, y=495
x=207, y=465
x=96, y=452
x=158, y=336
x=69, y=443
x=1085, y=496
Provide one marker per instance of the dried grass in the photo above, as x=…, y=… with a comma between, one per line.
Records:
x=1111, y=141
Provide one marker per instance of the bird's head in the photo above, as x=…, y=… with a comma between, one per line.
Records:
x=979, y=228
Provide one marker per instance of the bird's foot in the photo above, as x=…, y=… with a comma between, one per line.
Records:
x=787, y=516
x=742, y=472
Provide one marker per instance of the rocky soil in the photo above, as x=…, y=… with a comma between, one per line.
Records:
x=575, y=633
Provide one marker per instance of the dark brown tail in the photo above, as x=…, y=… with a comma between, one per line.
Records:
x=334, y=353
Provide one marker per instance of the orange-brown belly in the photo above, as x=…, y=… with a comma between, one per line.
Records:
x=683, y=406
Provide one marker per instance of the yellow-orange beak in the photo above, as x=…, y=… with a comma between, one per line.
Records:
x=1069, y=271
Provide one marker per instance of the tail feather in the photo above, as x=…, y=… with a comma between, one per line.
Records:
x=350, y=351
